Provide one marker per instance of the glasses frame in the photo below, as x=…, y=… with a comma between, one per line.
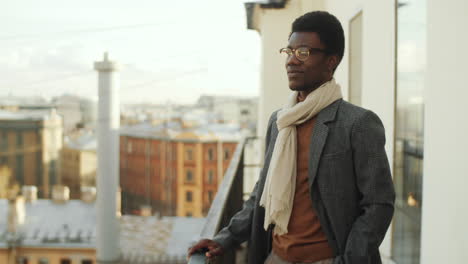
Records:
x=296, y=52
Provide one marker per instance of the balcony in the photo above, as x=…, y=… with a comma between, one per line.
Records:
x=227, y=202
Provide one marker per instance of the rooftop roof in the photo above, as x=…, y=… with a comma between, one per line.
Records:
x=86, y=141
x=26, y=115
x=174, y=130
x=73, y=225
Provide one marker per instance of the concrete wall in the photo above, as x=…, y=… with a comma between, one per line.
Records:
x=445, y=210
x=378, y=60
x=274, y=26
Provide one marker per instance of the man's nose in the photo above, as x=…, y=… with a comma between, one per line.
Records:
x=292, y=60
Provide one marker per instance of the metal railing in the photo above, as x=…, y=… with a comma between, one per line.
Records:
x=227, y=202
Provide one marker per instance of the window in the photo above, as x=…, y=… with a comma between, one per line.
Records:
x=173, y=152
x=210, y=154
x=129, y=147
x=188, y=196
x=226, y=154
x=409, y=131
x=53, y=172
x=148, y=148
x=188, y=154
x=39, y=175
x=210, y=177
x=4, y=143
x=189, y=176
x=65, y=261
x=156, y=149
x=19, y=139
x=210, y=196
x=19, y=169
x=22, y=260
x=43, y=261
x=86, y=261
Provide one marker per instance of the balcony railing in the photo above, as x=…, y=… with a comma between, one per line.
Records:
x=227, y=202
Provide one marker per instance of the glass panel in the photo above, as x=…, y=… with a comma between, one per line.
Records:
x=409, y=130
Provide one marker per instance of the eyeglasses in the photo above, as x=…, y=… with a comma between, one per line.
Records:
x=301, y=53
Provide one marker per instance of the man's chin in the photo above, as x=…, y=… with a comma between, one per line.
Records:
x=296, y=88
x=296, y=85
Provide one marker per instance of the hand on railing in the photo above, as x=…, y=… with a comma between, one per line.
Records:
x=207, y=246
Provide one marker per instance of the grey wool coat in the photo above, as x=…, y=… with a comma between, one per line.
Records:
x=350, y=186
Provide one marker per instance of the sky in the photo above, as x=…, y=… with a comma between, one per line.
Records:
x=171, y=51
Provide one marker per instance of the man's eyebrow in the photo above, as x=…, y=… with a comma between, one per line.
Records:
x=298, y=46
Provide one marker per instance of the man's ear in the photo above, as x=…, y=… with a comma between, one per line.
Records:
x=332, y=63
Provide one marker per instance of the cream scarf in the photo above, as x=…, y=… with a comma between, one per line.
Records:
x=280, y=185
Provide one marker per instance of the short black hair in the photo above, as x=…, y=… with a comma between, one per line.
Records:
x=327, y=26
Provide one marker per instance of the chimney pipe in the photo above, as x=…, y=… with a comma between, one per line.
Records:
x=16, y=214
x=29, y=193
x=60, y=194
x=108, y=237
x=88, y=194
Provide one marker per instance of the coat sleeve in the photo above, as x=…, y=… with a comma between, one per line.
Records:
x=374, y=181
x=239, y=227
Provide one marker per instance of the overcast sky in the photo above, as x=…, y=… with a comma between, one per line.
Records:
x=173, y=50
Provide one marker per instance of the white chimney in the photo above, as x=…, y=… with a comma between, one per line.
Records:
x=60, y=194
x=88, y=194
x=145, y=210
x=29, y=193
x=108, y=226
x=16, y=213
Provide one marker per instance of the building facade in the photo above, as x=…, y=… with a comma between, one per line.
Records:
x=78, y=163
x=172, y=174
x=30, y=143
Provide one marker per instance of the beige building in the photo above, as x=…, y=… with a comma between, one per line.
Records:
x=78, y=163
x=30, y=143
x=202, y=161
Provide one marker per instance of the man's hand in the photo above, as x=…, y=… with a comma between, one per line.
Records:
x=210, y=247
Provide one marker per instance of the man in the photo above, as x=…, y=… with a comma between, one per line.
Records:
x=325, y=193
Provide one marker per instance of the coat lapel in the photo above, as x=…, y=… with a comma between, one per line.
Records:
x=319, y=137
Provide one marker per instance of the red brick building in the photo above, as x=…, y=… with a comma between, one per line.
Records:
x=175, y=175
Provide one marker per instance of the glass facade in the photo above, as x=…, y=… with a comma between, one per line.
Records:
x=409, y=130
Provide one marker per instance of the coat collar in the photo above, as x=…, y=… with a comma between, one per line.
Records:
x=328, y=114
x=319, y=137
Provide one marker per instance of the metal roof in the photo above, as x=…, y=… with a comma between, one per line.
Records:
x=73, y=225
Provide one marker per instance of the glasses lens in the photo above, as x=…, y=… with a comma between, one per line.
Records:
x=286, y=51
x=302, y=54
